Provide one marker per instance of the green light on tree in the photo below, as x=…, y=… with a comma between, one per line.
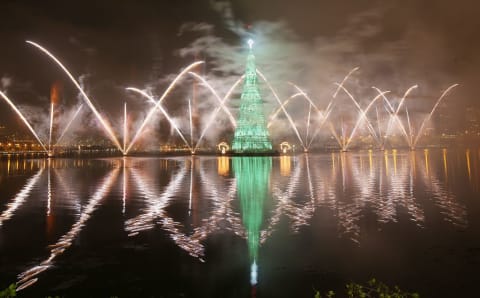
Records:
x=251, y=134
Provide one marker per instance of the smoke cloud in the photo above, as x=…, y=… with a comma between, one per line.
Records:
x=315, y=64
x=6, y=81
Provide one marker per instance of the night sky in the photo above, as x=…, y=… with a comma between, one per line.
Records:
x=110, y=45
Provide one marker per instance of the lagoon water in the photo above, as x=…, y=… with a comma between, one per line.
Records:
x=241, y=226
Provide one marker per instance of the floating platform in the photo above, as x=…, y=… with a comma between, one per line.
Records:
x=269, y=153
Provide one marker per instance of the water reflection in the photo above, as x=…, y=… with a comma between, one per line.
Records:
x=253, y=181
x=467, y=154
x=223, y=165
x=28, y=277
x=155, y=213
x=285, y=165
x=286, y=200
x=248, y=196
x=20, y=198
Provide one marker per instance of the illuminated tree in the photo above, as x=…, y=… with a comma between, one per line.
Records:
x=251, y=134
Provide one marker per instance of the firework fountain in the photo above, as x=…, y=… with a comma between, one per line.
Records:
x=317, y=119
x=17, y=111
x=105, y=125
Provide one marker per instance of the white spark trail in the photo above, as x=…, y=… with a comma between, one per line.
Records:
x=344, y=80
x=279, y=109
x=170, y=120
x=157, y=104
x=191, y=121
x=394, y=113
x=323, y=115
x=308, y=121
x=369, y=124
x=125, y=127
x=329, y=109
x=215, y=112
x=51, y=128
x=431, y=113
x=363, y=116
x=227, y=111
x=283, y=109
x=105, y=125
x=410, y=139
x=307, y=98
x=69, y=124
x=23, y=119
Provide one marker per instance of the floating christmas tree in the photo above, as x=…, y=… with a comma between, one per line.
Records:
x=251, y=134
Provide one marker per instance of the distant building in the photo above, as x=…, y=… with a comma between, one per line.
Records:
x=472, y=118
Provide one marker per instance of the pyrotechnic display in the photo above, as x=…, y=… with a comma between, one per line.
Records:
x=223, y=148
x=252, y=130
